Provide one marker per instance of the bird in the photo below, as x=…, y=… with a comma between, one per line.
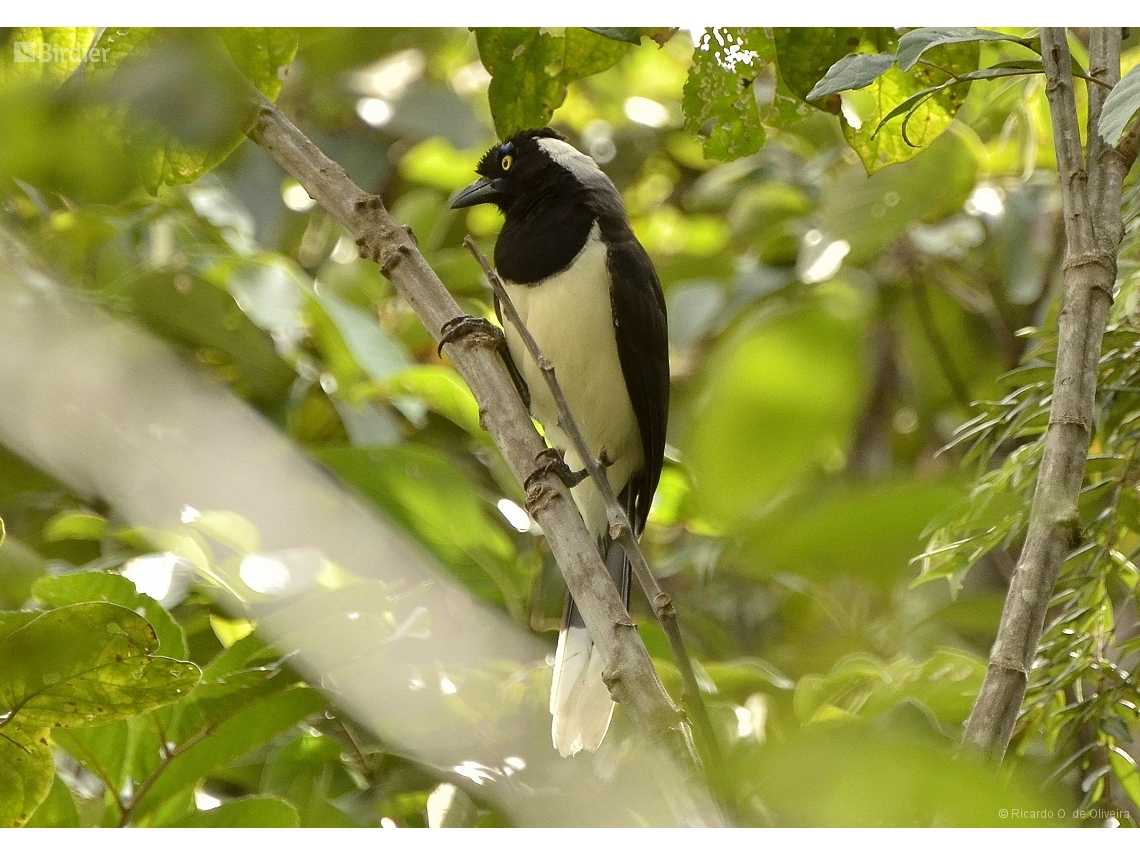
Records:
x=588, y=293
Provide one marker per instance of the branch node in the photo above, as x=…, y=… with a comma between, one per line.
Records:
x=1066, y=419
x=393, y=258
x=538, y=497
x=1009, y=663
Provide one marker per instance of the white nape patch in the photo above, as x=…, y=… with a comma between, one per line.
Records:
x=581, y=166
x=571, y=318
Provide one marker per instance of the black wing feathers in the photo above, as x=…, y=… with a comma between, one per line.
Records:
x=643, y=348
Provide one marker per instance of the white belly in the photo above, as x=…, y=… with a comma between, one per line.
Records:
x=571, y=318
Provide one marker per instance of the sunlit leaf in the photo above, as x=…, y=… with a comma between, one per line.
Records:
x=531, y=68
x=923, y=123
x=26, y=771
x=719, y=101
x=75, y=588
x=75, y=525
x=86, y=663
x=45, y=53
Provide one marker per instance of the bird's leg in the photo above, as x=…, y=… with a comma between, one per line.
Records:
x=481, y=331
x=552, y=462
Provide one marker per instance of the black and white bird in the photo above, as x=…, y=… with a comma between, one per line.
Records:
x=587, y=291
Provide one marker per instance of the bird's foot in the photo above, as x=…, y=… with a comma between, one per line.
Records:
x=551, y=462
x=480, y=330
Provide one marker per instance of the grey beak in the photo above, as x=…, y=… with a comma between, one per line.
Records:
x=476, y=193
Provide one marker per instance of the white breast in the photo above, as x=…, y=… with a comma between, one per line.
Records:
x=571, y=317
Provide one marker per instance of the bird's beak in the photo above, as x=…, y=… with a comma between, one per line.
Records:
x=476, y=193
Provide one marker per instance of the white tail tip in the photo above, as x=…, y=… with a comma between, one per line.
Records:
x=580, y=701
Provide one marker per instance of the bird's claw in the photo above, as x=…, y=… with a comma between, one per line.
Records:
x=480, y=330
x=551, y=462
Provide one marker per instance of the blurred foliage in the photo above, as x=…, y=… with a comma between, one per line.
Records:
x=830, y=332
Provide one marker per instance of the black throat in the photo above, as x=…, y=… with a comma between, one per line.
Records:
x=540, y=239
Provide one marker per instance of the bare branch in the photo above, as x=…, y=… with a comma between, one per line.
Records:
x=1092, y=229
x=620, y=528
x=636, y=685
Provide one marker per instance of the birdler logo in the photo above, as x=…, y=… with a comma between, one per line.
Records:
x=45, y=52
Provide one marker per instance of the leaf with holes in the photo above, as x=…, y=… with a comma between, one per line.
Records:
x=719, y=99
x=531, y=68
x=84, y=664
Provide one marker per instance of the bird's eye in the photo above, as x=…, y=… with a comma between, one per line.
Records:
x=506, y=162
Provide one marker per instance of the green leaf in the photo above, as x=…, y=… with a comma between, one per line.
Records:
x=1120, y=106
x=441, y=388
x=162, y=76
x=806, y=54
x=865, y=121
x=629, y=35
x=26, y=772
x=57, y=810
x=719, y=99
x=105, y=750
x=871, y=212
x=261, y=53
x=87, y=663
x=421, y=489
x=191, y=311
x=1124, y=767
x=45, y=53
x=913, y=44
x=12, y=621
x=854, y=71
x=237, y=735
x=370, y=348
x=75, y=525
x=779, y=404
x=96, y=586
x=866, y=530
x=852, y=776
x=531, y=68
x=309, y=773
x=248, y=812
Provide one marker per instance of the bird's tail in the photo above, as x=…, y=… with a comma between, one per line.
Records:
x=580, y=702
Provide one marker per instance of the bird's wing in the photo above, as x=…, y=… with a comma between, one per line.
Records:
x=643, y=348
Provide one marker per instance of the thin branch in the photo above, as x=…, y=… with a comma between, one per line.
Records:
x=636, y=685
x=620, y=528
x=1054, y=521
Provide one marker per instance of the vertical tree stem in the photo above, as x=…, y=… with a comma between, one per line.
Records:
x=1092, y=231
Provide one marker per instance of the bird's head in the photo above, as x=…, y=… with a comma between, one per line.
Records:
x=532, y=164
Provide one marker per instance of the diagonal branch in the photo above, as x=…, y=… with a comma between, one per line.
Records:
x=636, y=685
x=1092, y=229
x=620, y=528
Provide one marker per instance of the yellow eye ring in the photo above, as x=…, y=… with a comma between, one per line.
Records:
x=506, y=162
